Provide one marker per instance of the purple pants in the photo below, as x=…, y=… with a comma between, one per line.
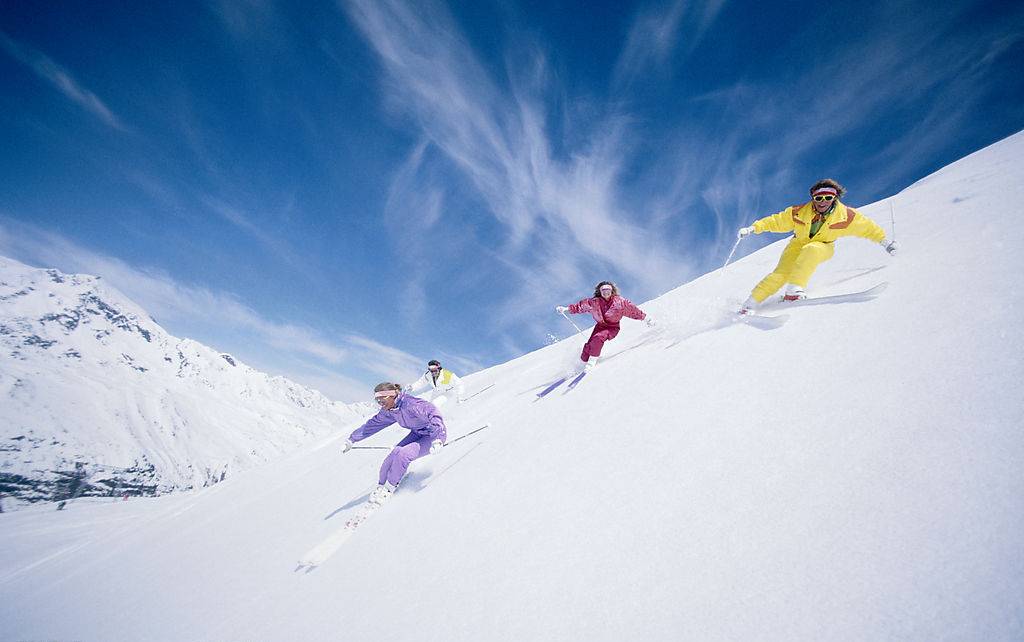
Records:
x=602, y=332
x=397, y=462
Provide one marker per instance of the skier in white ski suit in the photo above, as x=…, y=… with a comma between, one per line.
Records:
x=440, y=381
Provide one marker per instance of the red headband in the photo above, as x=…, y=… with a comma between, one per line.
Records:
x=825, y=190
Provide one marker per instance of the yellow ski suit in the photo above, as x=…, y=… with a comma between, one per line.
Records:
x=804, y=253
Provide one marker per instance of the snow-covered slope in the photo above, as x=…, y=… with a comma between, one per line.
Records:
x=88, y=377
x=853, y=475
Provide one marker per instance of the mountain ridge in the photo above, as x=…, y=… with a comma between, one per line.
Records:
x=89, y=378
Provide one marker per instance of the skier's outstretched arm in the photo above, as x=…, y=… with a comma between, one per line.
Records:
x=630, y=310
x=581, y=306
x=373, y=425
x=420, y=384
x=778, y=222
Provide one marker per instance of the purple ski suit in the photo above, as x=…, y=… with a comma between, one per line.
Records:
x=424, y=423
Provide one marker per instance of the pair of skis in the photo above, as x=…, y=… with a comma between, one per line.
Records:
x=768, y=322
x=573, y=382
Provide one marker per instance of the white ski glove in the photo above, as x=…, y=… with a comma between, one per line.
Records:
x=649, y=321
x=889, y=246
x=561, y=309
x=347, y=447
x=435, y=446
x=745, y=232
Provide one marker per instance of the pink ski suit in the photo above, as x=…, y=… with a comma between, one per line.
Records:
x=607, y=313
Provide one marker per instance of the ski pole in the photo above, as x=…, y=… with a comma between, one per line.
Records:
x=478, y=392
x=570, y=321
x=472, y=432
x=892, y=219
x=734, y=246
x=371, y=447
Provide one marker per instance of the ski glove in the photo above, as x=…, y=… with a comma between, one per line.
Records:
x=889, y=246
x=561, y=309
x=745, y=231
x=435, y=446
x=649, y=321
x=347, y=447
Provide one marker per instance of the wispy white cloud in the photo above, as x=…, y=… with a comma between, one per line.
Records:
x=61, y=80
x=659, y=32
x=564, y=214
x=382, y=359
x=245, y=19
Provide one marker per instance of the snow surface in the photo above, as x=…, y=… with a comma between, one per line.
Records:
x=853, y=475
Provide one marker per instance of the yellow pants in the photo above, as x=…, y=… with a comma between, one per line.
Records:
x=796, y=265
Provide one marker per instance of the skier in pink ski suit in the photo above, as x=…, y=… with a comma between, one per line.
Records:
x=607, y=307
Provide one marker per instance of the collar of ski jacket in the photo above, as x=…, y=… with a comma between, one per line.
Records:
x=444, y=374
x=837, y=222
x=820, y=218
x=607, y=304
x=398, y=402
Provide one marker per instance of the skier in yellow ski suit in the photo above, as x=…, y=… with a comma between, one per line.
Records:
x=816, y=225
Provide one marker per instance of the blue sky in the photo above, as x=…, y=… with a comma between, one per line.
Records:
x=339, y=191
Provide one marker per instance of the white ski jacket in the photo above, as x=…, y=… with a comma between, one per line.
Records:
x=445, y=381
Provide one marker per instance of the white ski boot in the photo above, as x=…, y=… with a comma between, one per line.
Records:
x=381, y=493
x=794, y=293
x=749, y=306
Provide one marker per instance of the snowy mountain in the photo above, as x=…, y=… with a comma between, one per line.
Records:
x=95, y=393
x=852, y=475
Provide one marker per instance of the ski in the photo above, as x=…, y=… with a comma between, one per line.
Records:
x=851, y=297
x=575, y=382
x=551, y=387
x=323, y=551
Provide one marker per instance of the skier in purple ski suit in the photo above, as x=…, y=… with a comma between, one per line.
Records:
x=426, y=435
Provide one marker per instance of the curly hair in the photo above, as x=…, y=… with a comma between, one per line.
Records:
x=828, y=182
x=597, y=288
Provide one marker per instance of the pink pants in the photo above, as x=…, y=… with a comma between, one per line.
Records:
x=602, y=332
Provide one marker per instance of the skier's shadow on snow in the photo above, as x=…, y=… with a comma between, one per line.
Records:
x=645, y=339
x=352, y=504
x=724, y=320
x=417, y=480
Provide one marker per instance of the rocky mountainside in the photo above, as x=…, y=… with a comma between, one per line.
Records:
x=96, y=398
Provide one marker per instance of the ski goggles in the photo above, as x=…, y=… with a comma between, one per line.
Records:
x=433, y=368
x=384, y=395
x=606, y=288
x=828, y=198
